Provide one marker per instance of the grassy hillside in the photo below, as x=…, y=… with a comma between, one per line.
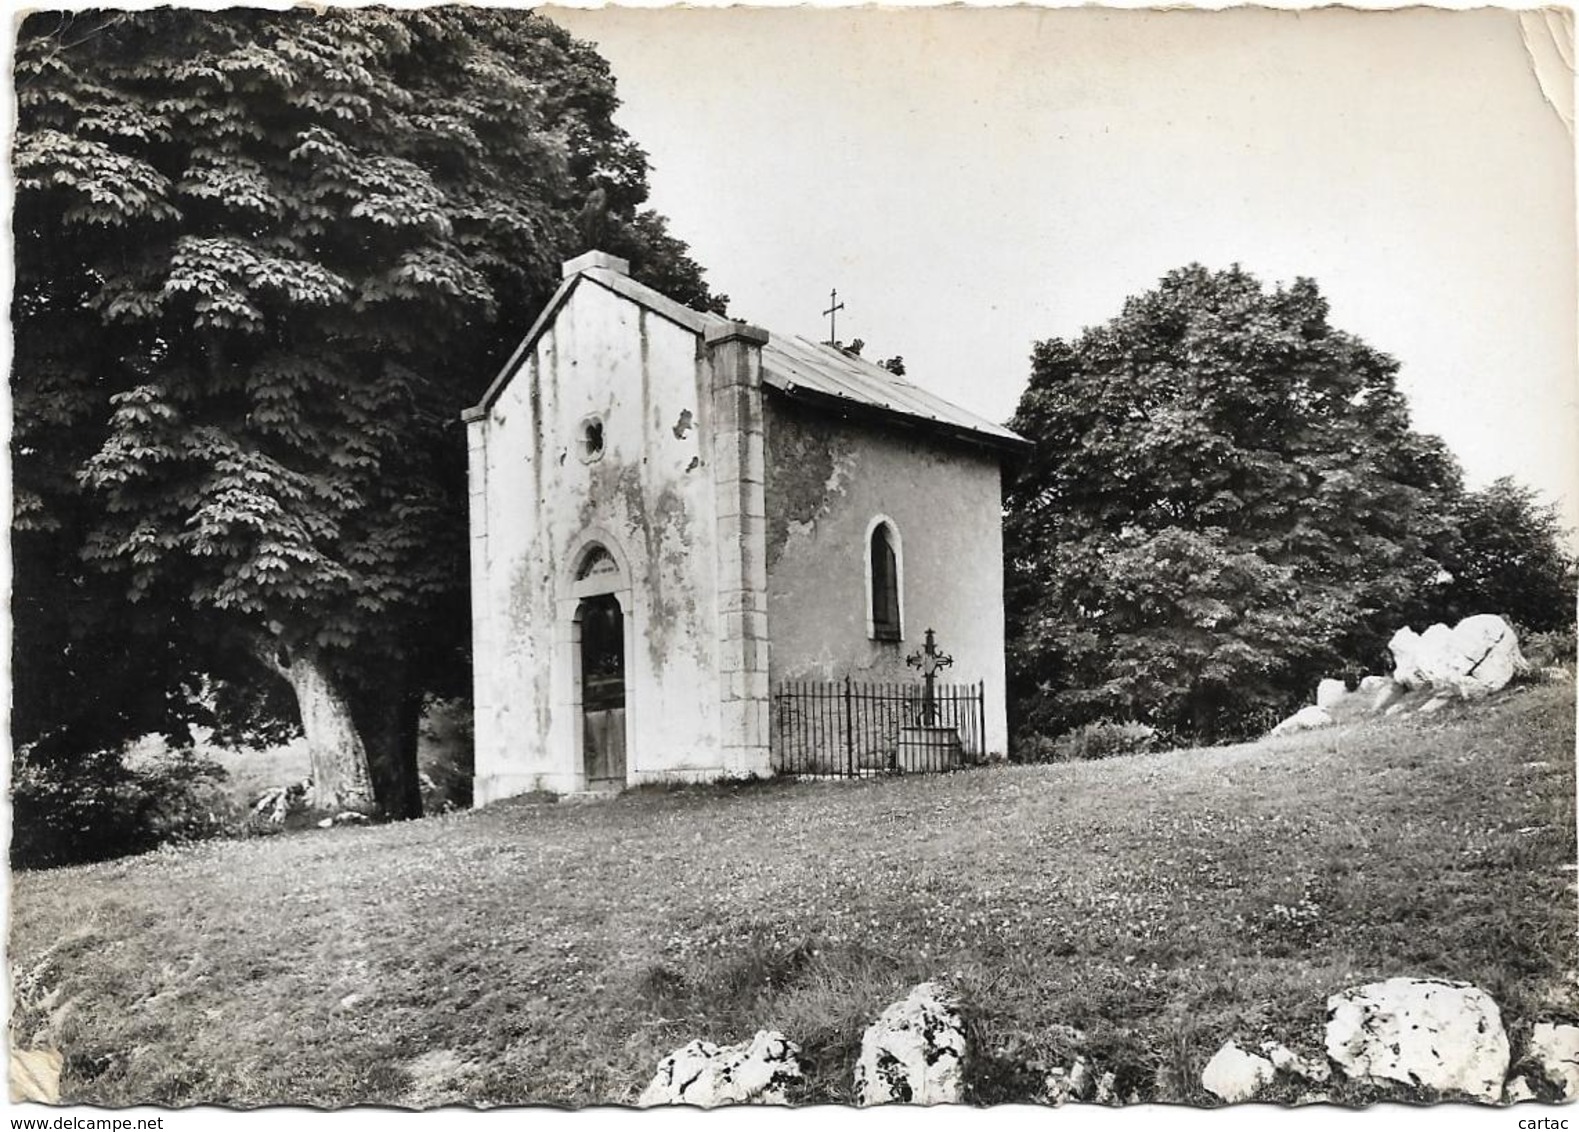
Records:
x=1140, y=911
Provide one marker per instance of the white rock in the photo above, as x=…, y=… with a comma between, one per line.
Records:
x=1492, y=646
x=1374, y=684
x=1329, y=692
x=1234, y=1075
x=1409, y=665
x=1477, y=656
x=702, y=1074
x=1554, y=1048
x=1424, y=1032
x=913, y=1053
x=1305, y=719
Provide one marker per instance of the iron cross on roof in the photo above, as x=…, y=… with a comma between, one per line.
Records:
x=834, y=307
x=929, y=660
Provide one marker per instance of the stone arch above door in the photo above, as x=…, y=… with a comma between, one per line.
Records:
x=598, y=565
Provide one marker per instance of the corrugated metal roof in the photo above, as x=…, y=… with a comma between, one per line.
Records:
x=792, y=365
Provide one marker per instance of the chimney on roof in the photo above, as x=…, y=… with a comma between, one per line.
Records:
x=595, y=259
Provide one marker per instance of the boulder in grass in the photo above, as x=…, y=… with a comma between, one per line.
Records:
x=1429, y=1033
x=705, y=1075
x=1305, y=719
x=1234, y=1075
x=1476, y=657
x=914, y=1053
x=1330, y=692
x=1417, y=656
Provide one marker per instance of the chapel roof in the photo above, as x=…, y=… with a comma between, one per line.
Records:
x=814, y=372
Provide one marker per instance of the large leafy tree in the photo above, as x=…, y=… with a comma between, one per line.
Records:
x=1226, y=502
x=1508, y=557
x=263, y=259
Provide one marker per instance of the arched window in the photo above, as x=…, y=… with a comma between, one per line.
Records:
x=883, y=580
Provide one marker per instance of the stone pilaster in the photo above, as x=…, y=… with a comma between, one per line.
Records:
x=476, y=421
x=735, y=362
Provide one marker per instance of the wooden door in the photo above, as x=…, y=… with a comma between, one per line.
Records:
x=603, y=691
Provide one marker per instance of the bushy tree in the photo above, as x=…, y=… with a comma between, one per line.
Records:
x=263, y=260
x=1225, y=503
x=1508, y=557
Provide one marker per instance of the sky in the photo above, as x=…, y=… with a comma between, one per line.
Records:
x=973, y=181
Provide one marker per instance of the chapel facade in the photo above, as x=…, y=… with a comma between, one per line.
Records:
x=673, y=514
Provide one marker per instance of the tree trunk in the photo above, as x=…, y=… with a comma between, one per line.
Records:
x=387, y=713
x=339, y=760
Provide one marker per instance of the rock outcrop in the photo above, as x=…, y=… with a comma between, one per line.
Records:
x=1423, y=1032
x=703, y=1074
x=1476, y=657
x=914, y=1053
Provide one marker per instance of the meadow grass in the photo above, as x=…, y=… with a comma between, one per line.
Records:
x=1138, y=911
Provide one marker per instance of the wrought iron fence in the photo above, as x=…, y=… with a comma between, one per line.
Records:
x=845, y=729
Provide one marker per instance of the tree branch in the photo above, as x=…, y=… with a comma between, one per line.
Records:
x=266, y=652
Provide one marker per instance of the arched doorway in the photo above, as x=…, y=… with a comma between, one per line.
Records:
x=600, y=611
x=602, y=679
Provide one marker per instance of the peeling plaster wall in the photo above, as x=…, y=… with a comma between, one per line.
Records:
x=825, y=481
x=534, y=499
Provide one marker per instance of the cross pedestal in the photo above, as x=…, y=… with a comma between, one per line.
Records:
x=929, y=660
